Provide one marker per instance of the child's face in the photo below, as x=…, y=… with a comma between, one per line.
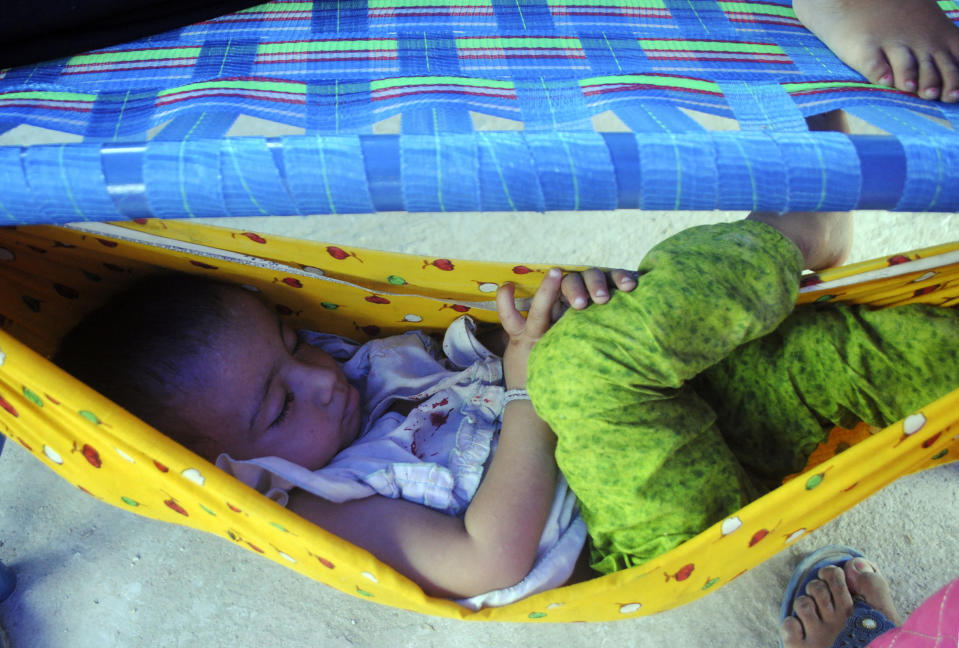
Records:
x=264, y=393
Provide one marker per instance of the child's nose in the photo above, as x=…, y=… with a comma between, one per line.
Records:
x=314, y=382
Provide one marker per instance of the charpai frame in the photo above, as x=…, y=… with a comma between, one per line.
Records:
x=466, y=105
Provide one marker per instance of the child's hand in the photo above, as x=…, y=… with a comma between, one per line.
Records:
x=593, y=284
x=524, y=332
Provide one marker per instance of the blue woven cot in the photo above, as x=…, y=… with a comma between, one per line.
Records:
x=148, y=129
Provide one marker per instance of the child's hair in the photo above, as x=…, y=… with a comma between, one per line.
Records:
x=140, y=348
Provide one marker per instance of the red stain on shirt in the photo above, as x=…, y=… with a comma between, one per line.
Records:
x=439, y=418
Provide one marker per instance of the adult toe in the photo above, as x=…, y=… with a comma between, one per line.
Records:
x=818, y=591
x=835, y=578
x=806, y=612
x=905, y=68
x=859, y=574
x=930, y=82
x=791, y=632
x=948, y=65
x=866, y=581
x=872, y=63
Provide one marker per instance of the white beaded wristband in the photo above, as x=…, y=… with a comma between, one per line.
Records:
x=515, y=394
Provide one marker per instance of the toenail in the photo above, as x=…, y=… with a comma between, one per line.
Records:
x=954, y=95
x=804, y=603
x=930, y=93
x=885, y=79
x=861, y=565
x=910, y=86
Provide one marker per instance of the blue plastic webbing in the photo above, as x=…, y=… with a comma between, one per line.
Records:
x=760, y=106
x=311, y=170
x=16, y=200
x=67, y=183
x=882, y=163
x=511, y=171
x=508, y=178
x=751, y=172
x=440, y=173
x=932, y=167
x=155, y=115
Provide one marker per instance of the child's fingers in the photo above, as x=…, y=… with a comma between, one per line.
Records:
x=624, y=280
x=511, y=319
x=574, y=291
x=593, y=284
x=538, y=318
x=581, y=287
x=596, y=284
x=560, y=306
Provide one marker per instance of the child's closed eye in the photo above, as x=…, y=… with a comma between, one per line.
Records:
x=284, y=412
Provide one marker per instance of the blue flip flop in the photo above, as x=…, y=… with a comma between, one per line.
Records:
x=865, y=624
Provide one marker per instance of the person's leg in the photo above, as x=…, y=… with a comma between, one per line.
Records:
x=637, y=446
x=909, y=44
x=776, y=398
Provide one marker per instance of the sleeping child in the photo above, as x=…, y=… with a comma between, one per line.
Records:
x=389, y=445
x=674, y=402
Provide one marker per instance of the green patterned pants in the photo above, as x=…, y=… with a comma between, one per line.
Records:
x=678, y=403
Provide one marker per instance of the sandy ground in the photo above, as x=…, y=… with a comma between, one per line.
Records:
x=91, y=575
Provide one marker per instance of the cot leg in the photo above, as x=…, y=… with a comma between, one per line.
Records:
x=8, y=580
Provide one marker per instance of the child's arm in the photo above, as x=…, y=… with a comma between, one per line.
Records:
x=495, y=544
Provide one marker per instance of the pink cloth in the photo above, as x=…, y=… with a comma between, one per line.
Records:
x=935, y=624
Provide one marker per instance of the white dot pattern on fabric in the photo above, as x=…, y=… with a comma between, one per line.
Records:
x=125, y=455
x=913, y=423
x=194, y=476
x=731, y=524
x=795, y=535
x=52, y=455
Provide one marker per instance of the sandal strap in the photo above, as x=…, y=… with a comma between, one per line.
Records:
x=865, y=624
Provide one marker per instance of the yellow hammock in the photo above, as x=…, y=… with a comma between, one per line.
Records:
x=52, y=276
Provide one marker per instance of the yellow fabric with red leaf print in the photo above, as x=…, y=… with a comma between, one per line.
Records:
x=53, y=276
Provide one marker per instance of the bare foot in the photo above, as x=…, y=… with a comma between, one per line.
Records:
x=823, y=238
x=909, y=44
x=828, y=603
